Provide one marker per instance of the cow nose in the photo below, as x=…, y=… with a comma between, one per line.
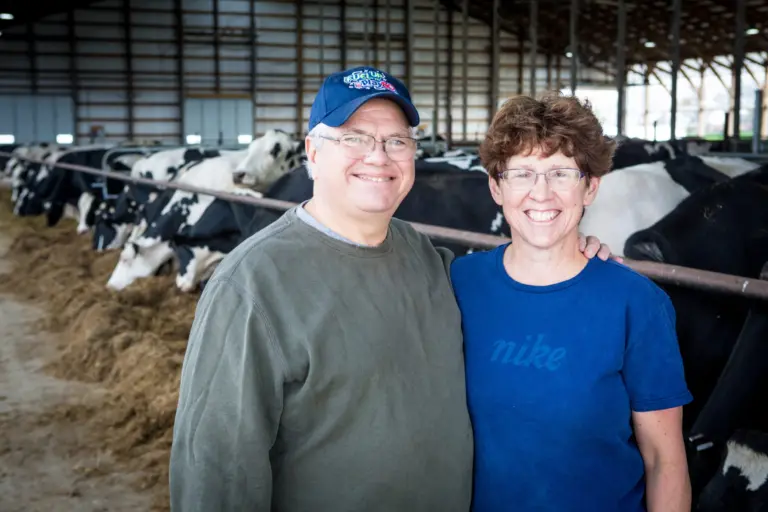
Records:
x=238, y=177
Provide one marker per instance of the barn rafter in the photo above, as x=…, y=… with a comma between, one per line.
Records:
x=707, y=27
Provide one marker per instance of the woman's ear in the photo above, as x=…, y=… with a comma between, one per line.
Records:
x=496, y=192
x=592, y=186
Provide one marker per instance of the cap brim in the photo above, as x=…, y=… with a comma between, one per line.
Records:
x=344, y=112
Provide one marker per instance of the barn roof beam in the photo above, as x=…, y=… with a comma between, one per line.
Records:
x=436, y=82
x=495, y=61
x=574, y=43
x=692, y=68
x=688, y=79
x=675, y=56
x=738, y=62
x=621, y=35
x=717, y=75
x=661, y=83
x=758, y=83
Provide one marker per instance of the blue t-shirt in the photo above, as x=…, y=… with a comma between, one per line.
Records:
x=553, y=373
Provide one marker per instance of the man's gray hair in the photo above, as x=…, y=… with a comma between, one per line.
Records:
x=323, y=129
x=314, y=134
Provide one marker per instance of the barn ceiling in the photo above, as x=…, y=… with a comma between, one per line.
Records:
x=707, y=27
x=25, y=11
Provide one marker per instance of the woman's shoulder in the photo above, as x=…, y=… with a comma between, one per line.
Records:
x=470, y=266
x=629, y=282
x=476, y=258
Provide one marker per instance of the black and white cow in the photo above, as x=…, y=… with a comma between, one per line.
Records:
x=182, y=224
x=6, y=148
x=265, y=160
x=721, y=228
x=633, y=198
x=57, y=187
x=740, y=482
x=269, y=157
x=115, y=219
x=631, y=151
x=459, y=160
x=23, y=166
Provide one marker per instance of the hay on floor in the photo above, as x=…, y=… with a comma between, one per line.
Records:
x=132, y=341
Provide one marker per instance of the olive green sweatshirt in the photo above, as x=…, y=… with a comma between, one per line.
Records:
x=322, y=376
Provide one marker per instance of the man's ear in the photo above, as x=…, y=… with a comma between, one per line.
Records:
x=496, y=193
x=310, y=148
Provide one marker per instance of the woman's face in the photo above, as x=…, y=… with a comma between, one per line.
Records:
x=539, y=213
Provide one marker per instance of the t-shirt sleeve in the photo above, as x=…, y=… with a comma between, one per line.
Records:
x=448, y=258
x=653, y=367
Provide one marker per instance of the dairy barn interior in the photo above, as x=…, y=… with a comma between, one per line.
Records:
x=101, y=100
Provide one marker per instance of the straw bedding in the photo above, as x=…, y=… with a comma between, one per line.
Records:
x=132, y=342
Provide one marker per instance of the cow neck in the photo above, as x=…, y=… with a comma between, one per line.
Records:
x=361, y=251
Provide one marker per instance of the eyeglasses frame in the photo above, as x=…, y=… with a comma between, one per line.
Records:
x=582, y=175
x=375, y=140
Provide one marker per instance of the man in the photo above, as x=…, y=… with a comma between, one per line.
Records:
x=324, y=369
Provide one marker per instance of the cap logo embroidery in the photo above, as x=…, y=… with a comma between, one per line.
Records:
x=368, y=79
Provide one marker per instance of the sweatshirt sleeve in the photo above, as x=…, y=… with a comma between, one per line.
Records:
x=230, y=402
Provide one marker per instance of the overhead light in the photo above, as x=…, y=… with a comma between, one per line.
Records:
x=244, y=138
x=650, y=44
x=65, y=138
x=194, y=139
x=6, y=16
x=7, y=138
x=568, y=54
x=752, y=31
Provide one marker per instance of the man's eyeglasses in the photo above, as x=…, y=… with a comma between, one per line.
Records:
x=360, y=145
x=560, y=180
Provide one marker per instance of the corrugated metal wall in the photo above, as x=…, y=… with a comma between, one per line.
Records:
x=133, y=67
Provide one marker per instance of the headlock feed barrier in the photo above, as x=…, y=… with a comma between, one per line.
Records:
x=672, y=274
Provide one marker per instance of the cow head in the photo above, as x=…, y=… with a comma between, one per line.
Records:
x=268, y=158
x=139, y=259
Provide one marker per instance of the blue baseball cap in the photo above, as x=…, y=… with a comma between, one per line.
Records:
x=343, y=92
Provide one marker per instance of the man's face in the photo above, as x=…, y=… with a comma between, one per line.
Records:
x=372, y=184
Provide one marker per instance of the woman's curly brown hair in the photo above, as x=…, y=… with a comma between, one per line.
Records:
x=553, y=123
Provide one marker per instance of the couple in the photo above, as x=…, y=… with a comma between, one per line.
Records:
x=339, y=362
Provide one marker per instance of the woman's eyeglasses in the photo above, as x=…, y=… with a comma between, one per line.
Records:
x=560, y=180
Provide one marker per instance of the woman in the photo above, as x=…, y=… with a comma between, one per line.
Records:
x=575, y=383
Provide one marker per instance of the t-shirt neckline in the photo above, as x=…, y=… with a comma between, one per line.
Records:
x=341, y=246
x=530, y=288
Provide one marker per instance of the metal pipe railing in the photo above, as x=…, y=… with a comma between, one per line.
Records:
x=705, y=280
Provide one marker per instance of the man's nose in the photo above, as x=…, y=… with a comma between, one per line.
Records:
x=377, y=155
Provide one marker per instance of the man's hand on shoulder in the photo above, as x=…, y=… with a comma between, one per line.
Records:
x=591, y=247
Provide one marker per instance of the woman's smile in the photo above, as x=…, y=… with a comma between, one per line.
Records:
x=542, y=216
